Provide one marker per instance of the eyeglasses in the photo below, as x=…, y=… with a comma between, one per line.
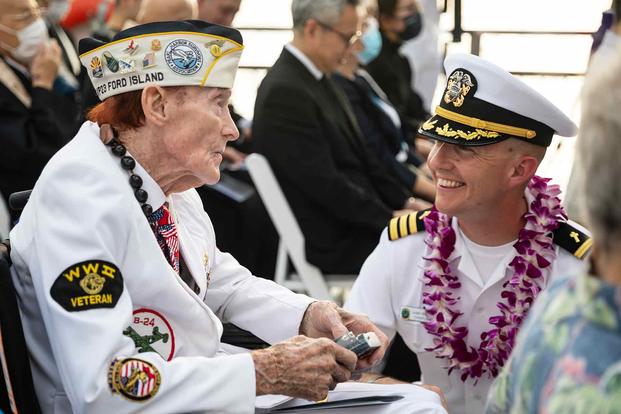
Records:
x=348, y=39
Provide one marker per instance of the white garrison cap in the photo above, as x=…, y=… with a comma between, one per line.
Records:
x=176, y=53
x=483, y=104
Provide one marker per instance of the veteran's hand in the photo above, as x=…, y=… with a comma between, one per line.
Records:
x=326, y=319
x=45, y=64
x=302, y=367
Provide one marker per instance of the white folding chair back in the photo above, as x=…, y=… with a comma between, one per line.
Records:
x=5, y=219
x=292, y=245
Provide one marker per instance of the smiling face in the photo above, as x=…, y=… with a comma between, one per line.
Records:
x=197, y=135
x=470, y=181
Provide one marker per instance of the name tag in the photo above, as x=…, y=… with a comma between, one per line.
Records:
x=413, y=314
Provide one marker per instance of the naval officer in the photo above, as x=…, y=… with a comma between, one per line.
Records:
x=457, y=280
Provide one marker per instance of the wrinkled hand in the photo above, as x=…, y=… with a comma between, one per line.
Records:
x=45, y=64
x=302, y=367
x=326, y=319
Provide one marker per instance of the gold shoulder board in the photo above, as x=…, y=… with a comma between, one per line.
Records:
x=405, y=225
x=573, y=240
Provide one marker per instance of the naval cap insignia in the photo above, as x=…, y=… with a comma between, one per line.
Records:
x=458, y=87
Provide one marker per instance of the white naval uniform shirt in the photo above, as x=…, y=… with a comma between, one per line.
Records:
x=83, y=208
x=391, y=280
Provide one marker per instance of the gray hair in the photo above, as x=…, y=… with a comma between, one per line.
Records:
x=325, y=11
x=598, y=153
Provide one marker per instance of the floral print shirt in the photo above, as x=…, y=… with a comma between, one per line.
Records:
x=567, y=358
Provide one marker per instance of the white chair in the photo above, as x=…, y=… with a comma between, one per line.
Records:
x=5, y=219
x=291, y=245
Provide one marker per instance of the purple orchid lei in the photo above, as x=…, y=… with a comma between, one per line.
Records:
x=531, y=264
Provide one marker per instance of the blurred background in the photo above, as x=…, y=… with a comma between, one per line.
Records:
x=546, y=43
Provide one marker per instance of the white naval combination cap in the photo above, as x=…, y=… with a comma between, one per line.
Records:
x=483, y=104
x=176, y=53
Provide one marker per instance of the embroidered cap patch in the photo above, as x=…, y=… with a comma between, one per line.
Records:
x=88, y=285
x=134, y=378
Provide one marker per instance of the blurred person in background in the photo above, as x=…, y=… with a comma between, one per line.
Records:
x=218, y=11
x=167, y=10
x=567, y=357
x=399, y=21
x=70, y=72
x=123, y=14
x=338, y=189
x=379, y=121
x=31, y=116
x=423, y=53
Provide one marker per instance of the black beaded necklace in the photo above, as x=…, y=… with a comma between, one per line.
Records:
x=128, y=164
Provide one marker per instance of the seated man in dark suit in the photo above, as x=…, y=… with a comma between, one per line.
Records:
x=337, y=188
x=34, y=120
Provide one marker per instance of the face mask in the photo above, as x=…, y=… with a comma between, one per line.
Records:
x=30, y=37
x=413, y=27
x=56, y=10
x=372, y=42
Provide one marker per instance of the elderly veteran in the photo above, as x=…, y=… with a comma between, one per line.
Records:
x=456, y=281
x=121, y=286
x=567, y=358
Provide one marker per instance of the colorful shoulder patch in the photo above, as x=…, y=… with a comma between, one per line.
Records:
x=151, y=332
x=406, y=225
x=134, y=378
x=88, y=285
x=573, y=240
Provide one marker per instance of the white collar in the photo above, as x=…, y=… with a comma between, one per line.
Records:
x=299, y=55
x=466, y=264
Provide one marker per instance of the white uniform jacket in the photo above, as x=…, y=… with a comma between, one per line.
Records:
x=389, y=290
x=94, y=287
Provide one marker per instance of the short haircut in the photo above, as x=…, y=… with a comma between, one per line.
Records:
x=597, y=153
x=325, y=11
x=124, y=111
x=386, y=7
x=616, y=8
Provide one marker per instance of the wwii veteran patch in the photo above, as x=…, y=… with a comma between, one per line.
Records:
x=88, y=285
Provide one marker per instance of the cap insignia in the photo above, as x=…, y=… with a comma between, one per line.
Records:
x=131, y=49
x=183, y=57
x=127, y=64
x=458, y=87
x=96, y=67
x=148, y=61
x=111, y=62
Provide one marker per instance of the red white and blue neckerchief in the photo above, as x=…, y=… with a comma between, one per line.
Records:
x=165, y=232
